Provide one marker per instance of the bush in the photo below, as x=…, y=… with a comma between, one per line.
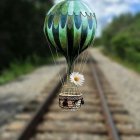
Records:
x=119, y=44
x=18, y=68
x=132, y=56
x=21, y=30
x=121, y=39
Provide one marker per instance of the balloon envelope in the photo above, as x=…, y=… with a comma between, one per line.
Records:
x=70, y=27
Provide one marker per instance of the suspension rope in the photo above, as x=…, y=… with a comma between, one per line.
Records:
x=60, y=78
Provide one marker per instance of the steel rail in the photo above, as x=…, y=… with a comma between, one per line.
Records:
x=113, y=132
x=29, y=130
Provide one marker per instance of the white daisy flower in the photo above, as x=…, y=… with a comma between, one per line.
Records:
x=77, y=78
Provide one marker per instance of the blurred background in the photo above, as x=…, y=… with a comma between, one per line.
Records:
x=22, y=42
x=23, y=46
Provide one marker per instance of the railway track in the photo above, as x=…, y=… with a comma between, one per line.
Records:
x=102, y=117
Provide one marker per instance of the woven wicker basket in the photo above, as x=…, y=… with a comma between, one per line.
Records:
x=70, y=97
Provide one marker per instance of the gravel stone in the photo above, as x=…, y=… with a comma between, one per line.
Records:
x=16, y=94
x=124, y=81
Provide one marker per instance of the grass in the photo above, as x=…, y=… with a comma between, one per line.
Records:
x=14, y=71
x=130, y=65
x=17, y=68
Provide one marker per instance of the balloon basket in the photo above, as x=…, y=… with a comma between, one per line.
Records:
x=70, y=98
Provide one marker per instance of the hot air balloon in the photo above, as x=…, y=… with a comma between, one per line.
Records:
x=70, y=28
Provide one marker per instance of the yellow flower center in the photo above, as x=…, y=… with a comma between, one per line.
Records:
x=76, y=79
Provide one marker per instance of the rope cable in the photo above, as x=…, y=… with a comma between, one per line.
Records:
x=60, y=78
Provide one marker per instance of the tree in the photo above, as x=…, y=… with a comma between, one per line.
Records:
x=21, y=30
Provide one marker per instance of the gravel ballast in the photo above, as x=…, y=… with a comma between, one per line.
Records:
x=125, y=82
x=15, y=95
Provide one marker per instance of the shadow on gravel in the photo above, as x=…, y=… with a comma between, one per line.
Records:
x=8, y=107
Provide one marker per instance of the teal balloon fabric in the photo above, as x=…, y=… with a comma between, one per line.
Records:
x=70, y=27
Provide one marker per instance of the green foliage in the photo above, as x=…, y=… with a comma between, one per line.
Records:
x=23, y=45
x=21, y=30
x=121, y=39
x=97, y=42
x=18, y=68
x=133, y=56
x=119, y=24
x=119, y=44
